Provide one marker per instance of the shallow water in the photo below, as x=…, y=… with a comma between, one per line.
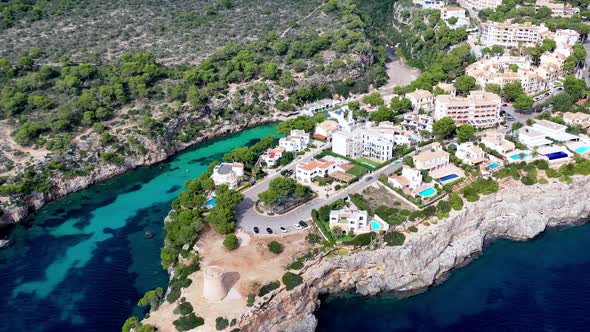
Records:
x=540, y=285
x=83, y=262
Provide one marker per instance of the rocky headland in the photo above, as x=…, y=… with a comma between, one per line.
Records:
x=516, y=212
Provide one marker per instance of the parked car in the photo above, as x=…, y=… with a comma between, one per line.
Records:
x=547, y=94
x=283, y=230
x=303, y=224
x=269, y=230
x=297, y=227
x=369, y=178
x=504, y=105
x=256, y=230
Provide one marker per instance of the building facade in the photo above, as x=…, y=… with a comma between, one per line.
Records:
x=228, y=173
x=478, y=5
x=431, y=157
x=305, y=172
x=297, y=141
x=480, y=109
x=421, y=99
x=557, y=8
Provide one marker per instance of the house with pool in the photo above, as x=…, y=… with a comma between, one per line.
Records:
x=542, y=137
x=358, y=221
x=471, y=154
x=496, y=141
x=431, y=157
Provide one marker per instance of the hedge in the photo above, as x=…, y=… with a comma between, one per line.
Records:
x=394, y=238
x=292, y=280
x=268, y=288
x=361, y=239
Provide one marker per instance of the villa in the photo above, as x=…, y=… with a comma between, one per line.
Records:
x=418, y=122
x=228, y=173
x=321, y=105
x=295, y=142
x=456, y=12
x=325, y=129
x=421, y=100
x=271, y=156
x=305, y=172
x=577, y=119
x=495, y=141
x=448, y=89
x=543, y=133
x=410, y=179
x=470, y=154
x=430, y=4
x=356, y=220
x=480, y=109
x=431, y=157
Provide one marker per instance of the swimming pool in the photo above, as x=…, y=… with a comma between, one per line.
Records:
x=517, y=156
x=448, y=177
x=375, y=225
x=427, y=192
x=211, y=202
x=493, y=166
x=556, y=155
x=582, y=149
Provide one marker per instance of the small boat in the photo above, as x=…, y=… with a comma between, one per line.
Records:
x=4, y=243
x=148, y=235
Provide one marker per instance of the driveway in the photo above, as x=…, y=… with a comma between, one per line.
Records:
x=248, y=217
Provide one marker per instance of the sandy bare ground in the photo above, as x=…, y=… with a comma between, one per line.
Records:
x=246, y=269
x=20, y=155
x=399, y=74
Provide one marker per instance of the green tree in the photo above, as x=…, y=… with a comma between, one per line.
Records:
x=275, y=247
x=374, y=99
x=153, y=298
x=444, y=128
x=464, y=84
x=465, y=132
x=231, y=242
x=523, y=102
x=513, y=90
x=400, y=104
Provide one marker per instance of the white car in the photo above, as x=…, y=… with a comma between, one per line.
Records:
x=297, y=227
x=283, y=230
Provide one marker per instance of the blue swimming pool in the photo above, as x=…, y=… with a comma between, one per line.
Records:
x=448, y=177
x=427, y=192
x=375, y=225
x=211, y=202
x=582, y=149
x=493, y=166
x=517, y=156
x=556, y=155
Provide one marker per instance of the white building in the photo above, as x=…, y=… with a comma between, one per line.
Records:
x=421, y=99
x=305, y=172
x=525, y=34
x=458, y=13
x=418, y=122
x=410, y=179
x=470, y=153
x=228, y=173
x=430, y=4
x=478, y=5
x=447, y=88
x=350, y=220
x=325, y=129
x=272, y=156
x=297, y=141
x=496, y=141
x=557, y=8
x=480, y=109
x=431, y=157
x=577, y=119
x=539, y=133
x=320, y=106
x=371, y=142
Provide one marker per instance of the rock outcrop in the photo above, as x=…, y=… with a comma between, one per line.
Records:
x=516, y=212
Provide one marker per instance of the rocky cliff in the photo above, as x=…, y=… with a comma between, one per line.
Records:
x=515, y=212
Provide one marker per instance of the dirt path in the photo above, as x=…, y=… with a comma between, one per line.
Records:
x=301, y=20
x=399, y=74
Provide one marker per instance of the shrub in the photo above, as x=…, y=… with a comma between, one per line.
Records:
x=296, y=265
x=183, y=309
x=250, y=300
x=412, y=229
x=275, y=247
x=221, y=323
x=188, y=322
x=268, y=288
x=394, y=238
x=455, y=201
x=292, y=280
x=360, y=202
x=313, y=238
x=231, y=241
x=361, y=239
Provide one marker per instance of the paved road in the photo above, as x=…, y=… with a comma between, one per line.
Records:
x=248, y=217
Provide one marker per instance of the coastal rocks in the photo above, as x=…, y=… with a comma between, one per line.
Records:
x=517, y=212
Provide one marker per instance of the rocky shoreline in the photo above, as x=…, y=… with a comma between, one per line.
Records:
x=516, y=212
x=156, y=153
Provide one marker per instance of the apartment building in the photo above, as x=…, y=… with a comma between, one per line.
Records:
x=371, y=142
x=431, y=157
x=421, y=99
x=478, y=5
x=470, y=154
x=511, y=34
x=306, y=171
x=458, y=13
x=480, y=109
x=228, y=173
x=297, y=141
x=430, y=4
x=417, y=122
x=557, y=8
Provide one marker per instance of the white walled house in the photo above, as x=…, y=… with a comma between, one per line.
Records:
x=470, y=153
x=306, y=171
x=418, y=122
x=456, y=12
x=496, y=141
x=421, y=99
x=410, y=179
x=431, y=157
x=272, y=156
x=325, y=129
x=297, y=141
x=228, y=173
x=350, y=220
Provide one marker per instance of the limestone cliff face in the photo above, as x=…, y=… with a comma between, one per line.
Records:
x=516, y=212
x=158, y=149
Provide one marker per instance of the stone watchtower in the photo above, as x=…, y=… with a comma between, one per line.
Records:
x=213, y=288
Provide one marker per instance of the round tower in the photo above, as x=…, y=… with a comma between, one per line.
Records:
x=213, y=288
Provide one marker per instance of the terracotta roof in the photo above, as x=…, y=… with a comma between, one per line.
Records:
x=310, y=166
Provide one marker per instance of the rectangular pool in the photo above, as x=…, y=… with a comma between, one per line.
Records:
x=427, y=192
x=582, y=149
x=517, y=156
x=448, y=177
x=493, y=166
x=556, y=155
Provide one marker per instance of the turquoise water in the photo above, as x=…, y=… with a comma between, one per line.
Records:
x=517, y=156
x=375, y=225
x=211, y=202
x=493, y=166
x=82, y=263
x=582, y=149
x=427, y=192
x=540, y=285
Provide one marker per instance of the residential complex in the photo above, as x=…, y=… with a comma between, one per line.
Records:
x=228, y=173
x=480, y=109
x=421, y=99
x=522, y=34
x=306, y=171
x=557, y=8
x=430, y=4
x=295, y=142
x=417, y=122
x=431, y=157
x=470, y=154
x=478, y=5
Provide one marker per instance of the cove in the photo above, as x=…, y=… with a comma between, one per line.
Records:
x=83, y=262
x=540, y=285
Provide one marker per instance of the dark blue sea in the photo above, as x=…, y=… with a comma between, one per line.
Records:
x=540, y=285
